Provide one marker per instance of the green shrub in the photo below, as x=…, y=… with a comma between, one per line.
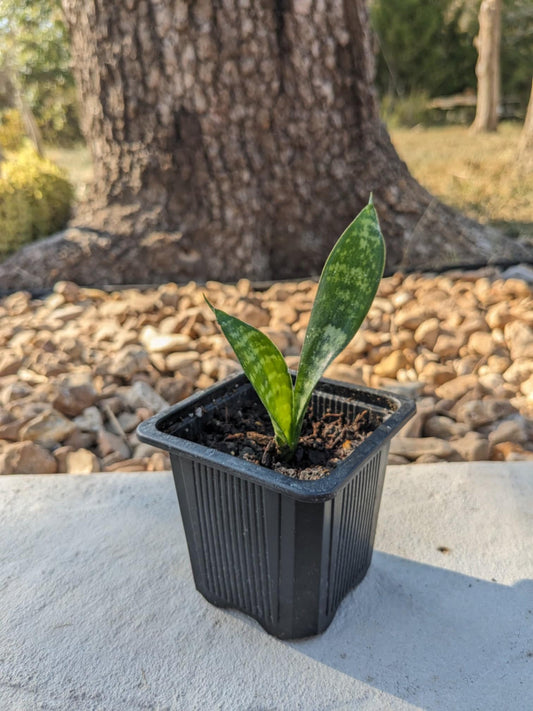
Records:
x=35, y=200
x=424, y=46
x=517, y=52
x=34, y=44
x=429, y=46
x=12, y=131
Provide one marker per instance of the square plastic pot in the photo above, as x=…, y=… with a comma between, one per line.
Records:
x=284, y=551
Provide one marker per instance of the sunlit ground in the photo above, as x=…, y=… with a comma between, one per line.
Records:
x=476, y=173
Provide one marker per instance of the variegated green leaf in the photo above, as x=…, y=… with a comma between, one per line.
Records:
x=265, y=368
x=347, y=287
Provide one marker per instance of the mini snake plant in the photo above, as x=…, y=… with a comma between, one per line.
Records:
x=347, y=287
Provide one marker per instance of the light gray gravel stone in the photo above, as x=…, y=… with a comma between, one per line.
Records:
x=143, y=395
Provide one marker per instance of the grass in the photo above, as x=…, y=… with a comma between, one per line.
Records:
x=476, y=173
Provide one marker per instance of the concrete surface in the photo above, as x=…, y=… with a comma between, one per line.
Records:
x=98, y=609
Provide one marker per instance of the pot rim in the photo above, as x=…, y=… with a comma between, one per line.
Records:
x=399, y=408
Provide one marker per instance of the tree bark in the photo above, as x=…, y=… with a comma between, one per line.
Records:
x=237, y=139
x=488, y=66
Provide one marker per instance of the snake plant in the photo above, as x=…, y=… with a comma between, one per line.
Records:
x=347, y=287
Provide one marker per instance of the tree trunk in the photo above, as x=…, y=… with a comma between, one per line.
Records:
x=525, y=147
x=30, y=124
x=488, y=66
x=28, y=119
x=236, y=139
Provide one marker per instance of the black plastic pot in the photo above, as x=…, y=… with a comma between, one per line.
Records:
x=284, y=551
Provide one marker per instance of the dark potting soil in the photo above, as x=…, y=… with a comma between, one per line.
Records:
x=247, y=432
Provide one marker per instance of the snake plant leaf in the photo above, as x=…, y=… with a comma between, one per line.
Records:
x=265, y=368
x=347, y=287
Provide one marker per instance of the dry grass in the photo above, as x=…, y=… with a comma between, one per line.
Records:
x=476, y=173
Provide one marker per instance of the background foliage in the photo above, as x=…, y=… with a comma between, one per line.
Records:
x=35, y=61
x=517, y=49
x=423, y=46
x=12, y=132
x=425, y=50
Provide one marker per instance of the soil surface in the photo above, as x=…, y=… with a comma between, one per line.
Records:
x=247, y=433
